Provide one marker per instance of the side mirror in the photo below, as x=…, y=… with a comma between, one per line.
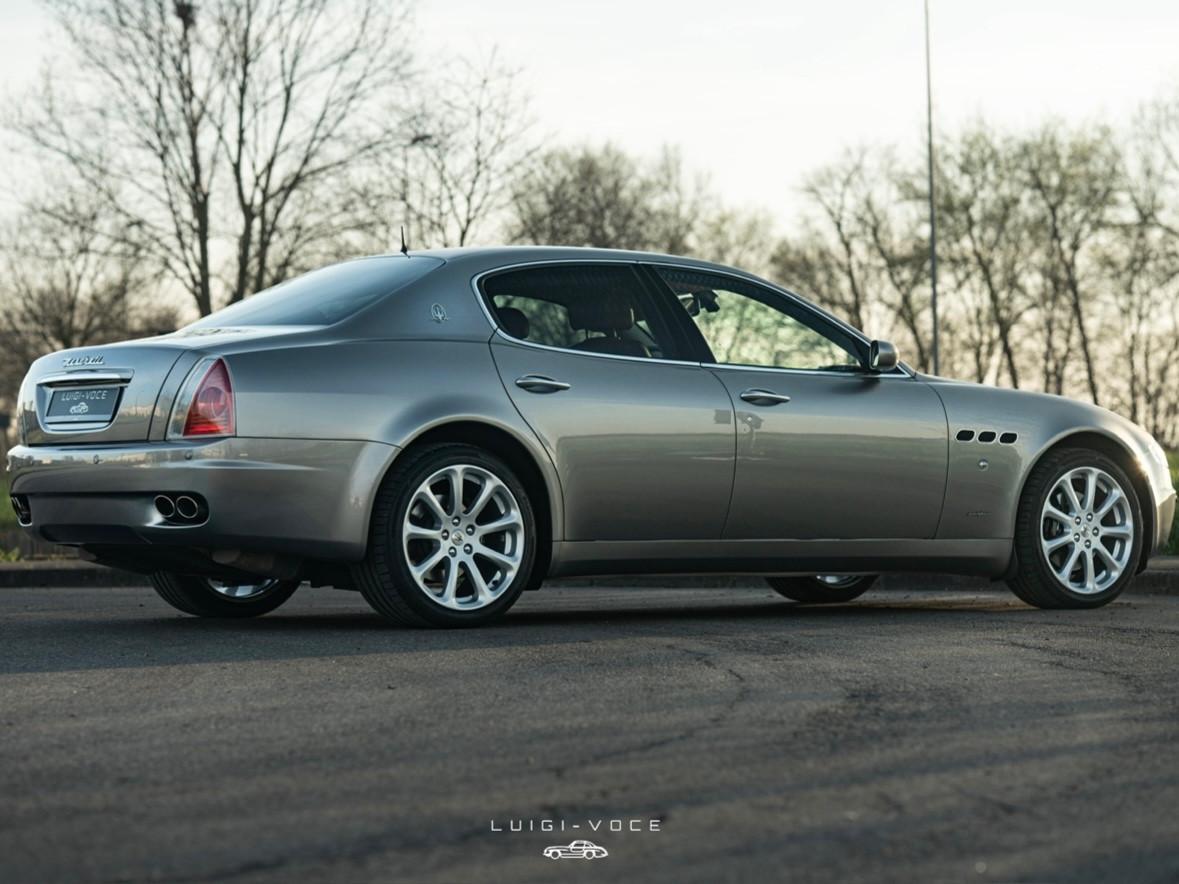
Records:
x=882, y=356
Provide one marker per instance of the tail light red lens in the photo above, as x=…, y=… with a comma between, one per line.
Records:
x=212, y=411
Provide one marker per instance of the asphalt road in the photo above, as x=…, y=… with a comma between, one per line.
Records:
x=909, y=737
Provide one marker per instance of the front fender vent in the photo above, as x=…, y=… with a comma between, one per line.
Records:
x=986, y=436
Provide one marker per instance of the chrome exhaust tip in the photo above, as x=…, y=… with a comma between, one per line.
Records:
x=164, y=506
x=186, y=507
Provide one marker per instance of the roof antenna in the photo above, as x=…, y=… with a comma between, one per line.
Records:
x=404, y=247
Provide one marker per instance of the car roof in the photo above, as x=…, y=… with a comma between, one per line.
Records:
x=505, y=256
x=483, y=259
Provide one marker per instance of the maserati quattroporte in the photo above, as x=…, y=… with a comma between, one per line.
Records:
x=444, y=430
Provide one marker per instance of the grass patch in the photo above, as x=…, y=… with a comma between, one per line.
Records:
x=7, y=516
x=7, y=520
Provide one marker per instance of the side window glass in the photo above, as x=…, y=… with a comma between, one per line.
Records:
x=745, y=324
x=591, y=308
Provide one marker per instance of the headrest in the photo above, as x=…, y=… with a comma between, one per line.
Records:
x=514, y=322
x=605, y=313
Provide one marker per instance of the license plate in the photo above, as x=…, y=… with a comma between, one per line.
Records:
x=83, y=405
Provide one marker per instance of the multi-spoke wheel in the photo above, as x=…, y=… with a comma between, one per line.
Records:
x=1078, y=535
x=822, y=588
x=1087, y=530
x=463, y=537
x=452, y=539
x=205, y=597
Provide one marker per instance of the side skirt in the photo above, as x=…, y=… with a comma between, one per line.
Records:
x=987, y=558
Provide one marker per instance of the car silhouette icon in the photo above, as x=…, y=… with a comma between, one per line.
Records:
x=580, y=849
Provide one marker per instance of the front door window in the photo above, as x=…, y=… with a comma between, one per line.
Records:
x=745, y=324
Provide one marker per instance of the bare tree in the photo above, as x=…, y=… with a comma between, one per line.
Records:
x=985, y=234
x=136, y=119
x=447, y=176
x=835, y=191
x=807, y=263
x=861, y=252
x=65, y=285
x=742, y=238
x=298, y=83
x=604, y=197
x=898, y=246
x=1073, y=178
x=464, y=148
x=1139, y=259
x=223, y=122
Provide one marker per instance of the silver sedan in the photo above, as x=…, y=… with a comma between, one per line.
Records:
x=445, y=430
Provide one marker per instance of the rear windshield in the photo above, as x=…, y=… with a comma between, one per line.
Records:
x=325, y=296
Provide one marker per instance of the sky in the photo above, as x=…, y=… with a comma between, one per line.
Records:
x=757, y=93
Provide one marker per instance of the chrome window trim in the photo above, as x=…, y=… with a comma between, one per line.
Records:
x=854, y=375
x=646, y=360
x=904, y=373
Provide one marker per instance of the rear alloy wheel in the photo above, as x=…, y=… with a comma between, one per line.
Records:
x=453, y=539
x=205, y=597
x=822, y=588
x=1078, y=532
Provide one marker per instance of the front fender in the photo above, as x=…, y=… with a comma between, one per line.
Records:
x=985, y=478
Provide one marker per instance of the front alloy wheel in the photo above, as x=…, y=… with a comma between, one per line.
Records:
x=452, y=539
x=1078, y=536
x=1087, y=530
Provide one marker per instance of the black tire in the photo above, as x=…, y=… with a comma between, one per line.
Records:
x=1034, y=579
x=194, y=595
x=384, y=578
x=813, y=591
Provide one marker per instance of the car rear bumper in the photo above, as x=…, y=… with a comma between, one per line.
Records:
x=305, y=498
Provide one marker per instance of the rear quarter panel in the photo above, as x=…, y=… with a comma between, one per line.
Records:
x=389, y=391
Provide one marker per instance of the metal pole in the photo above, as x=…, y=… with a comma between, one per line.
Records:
x=932, y=205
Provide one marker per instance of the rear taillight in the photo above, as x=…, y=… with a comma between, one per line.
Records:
x=205, y=406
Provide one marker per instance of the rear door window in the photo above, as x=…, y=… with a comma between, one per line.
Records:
x=589, y=308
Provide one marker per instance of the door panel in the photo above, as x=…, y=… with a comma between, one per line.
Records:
x=845, y=457
x=644, y=448
x=825, y=448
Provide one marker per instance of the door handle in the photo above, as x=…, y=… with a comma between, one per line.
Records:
x=535, y=383
x=764, y=397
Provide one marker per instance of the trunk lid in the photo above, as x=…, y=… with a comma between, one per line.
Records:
x=116, y=392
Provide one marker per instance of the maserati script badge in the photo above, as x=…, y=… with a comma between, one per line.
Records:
x=74, y=361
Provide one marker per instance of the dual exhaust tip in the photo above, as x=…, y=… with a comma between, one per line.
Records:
x=178, y=509
x=182, y=509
